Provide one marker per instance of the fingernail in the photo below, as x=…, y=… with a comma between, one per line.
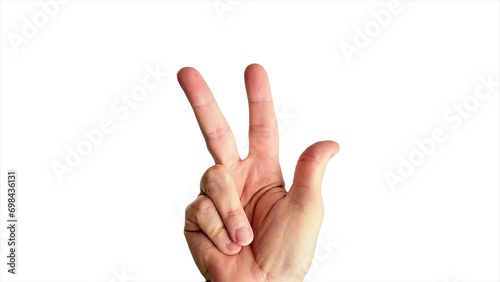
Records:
x=232, y=246
x=243, y=236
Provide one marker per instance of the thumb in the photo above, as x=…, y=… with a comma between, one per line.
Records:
x=306, y=187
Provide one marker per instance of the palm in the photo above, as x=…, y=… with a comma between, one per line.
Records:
x=285, y=224
x=270, y=212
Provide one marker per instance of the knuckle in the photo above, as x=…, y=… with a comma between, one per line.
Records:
x=214, y=177
x=267, y=127
x=236, y=213
x=188, y=210
x=215, y=173
x=204, y=204
x=201, y=204
x=217, y=232
x=217, y=133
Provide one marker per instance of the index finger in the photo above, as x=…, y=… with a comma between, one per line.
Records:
x=214, y=127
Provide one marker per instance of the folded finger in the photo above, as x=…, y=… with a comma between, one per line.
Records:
x=202, y=215
x=218, y=184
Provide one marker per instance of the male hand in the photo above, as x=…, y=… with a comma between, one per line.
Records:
x=245, y=225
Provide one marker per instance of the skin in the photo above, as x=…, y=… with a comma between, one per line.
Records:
x=244, y=225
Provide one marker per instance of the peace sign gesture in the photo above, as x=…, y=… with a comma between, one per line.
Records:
x=245, y=225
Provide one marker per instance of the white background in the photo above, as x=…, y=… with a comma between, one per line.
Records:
x=118, y=216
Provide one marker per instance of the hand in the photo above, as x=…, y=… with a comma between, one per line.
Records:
x=245, y=225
